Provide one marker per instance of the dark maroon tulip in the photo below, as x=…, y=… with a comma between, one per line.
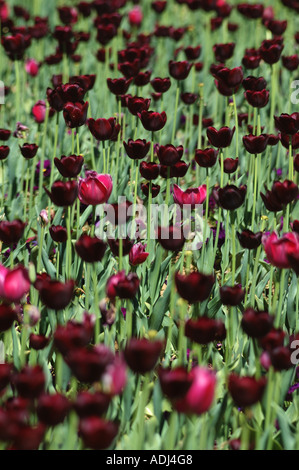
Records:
x=251, y=83
x=175, y=382
x=179, y=70
x=224, y=89
x=178, y=170
x=149, y=170
x=114, y=243
x=255, y=144
x=271, y=340
x=89, y=403
x=38, y=342
x=137, y=149
x=97, y=433
x=293, y=260
x=223, y=52
x=69, y=166
x=169, y=155
x=273, y=139
x=86, y=81
x=55, y=99
x=141, y=354
x=206, y=158
x=230, y=197
x=251, y=11
x=7, y=317
x=75, y=114
x=290, y=62
x=285, y=191
x=52, y=409
x=271, y=49
x=285, y=140
x=249, y=239
x=58, y=233
x=287, y=123
x=271, y=202
x=203, y=330
x=296, y=162
x=230, y=165
x=189, y=98
x=29, y=150
x=90, y=249
x=277, y=27
x=281, y=358
x=54, y=59
x=220, y=138
x=56, y=294
x=5, y=134
x=232, y=295
x=74, y=334
x=130, y=68
x=68, y=15
x=154, y=188
x=30, y=381
x=4, y=152
x=251, y=59
x=192, y=53
x=246, y=391
x=88, y=364
x=257, y=99
x=153, y=121
x=28, y=437
x=119, y=86
x=15, y=45
x=171, y=238
x=6, y=370
x=102, y=129
x=142, y=78
x=84, y=8
x=232, y=78
x=159, y=5
x=122, y=285
x=256, y=323
x=71, y=92
x=63, y=193
x=136, y=104
x=194, y=287
x=161, y=85
x=295, y=226
x=11, y=232
x=206, y=122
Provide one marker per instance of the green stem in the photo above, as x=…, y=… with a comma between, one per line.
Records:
x=254, y=192
x=42, y=160
x=175, y=112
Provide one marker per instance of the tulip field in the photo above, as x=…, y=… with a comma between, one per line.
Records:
x=149, y=226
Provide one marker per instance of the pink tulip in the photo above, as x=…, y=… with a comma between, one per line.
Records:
x=278, y=248
x=95, y=188
x=137, y=254
x=115, y=376
x=32, y=67
x=191, y=196
x=14, y=283
x=200, y=395
x=135, y=16
x=4, y=11
x=39, y=111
